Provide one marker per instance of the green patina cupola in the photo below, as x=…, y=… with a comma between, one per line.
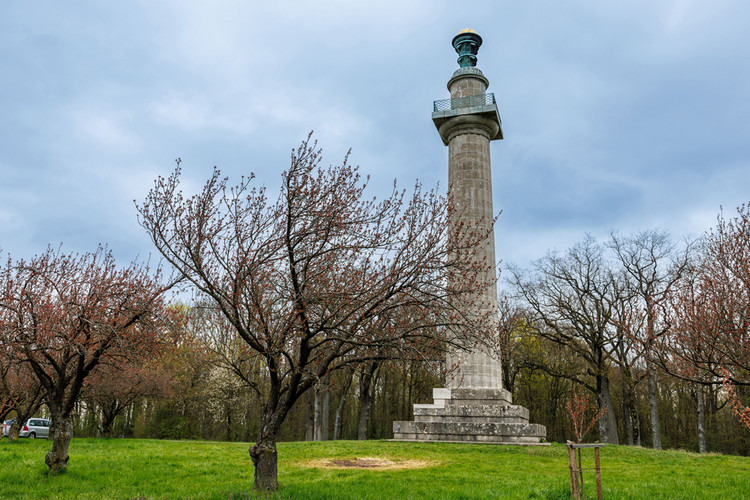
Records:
x=467, y=44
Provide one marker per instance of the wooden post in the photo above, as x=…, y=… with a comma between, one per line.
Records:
x=575, y=465
x=580, y=473
x=598, y=470
x=574, y=489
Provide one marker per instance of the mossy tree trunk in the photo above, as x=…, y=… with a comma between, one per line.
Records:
x=57, y=458
x=265, y=459
x=263, y=452
x=15, y=429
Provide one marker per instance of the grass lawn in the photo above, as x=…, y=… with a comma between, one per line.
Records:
x=139, y=468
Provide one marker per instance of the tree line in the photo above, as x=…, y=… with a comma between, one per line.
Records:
x=656, y=331
x=324, y=314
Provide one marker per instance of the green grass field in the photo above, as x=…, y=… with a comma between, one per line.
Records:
x=136, y=468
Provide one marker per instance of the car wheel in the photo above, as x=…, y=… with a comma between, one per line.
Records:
x=32, y=436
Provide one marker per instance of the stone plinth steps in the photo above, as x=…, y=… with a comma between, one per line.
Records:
x=470, y=415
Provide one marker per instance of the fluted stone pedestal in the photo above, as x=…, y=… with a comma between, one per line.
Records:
x=474, y=407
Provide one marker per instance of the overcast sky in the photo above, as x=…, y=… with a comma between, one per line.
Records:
x=626, y=115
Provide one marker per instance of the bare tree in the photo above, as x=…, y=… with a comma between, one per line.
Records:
x=653, y=266
x=319, y=280
x=66, y=315
x=573, y=298
x=628, y=317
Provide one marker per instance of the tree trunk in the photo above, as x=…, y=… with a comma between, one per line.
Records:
x=228, y=409
x=636, y=423
x=402, y=403
x=310, y=416
x=318, y=410
x=263, y=452
x=325, y=412
x=628, y=410
x=339, y=420
x=322, y=409
x=15, y=429
x=627, y=421
x=653, y=408
x=701, y=419
x=107, y=427
x=365, y=400
x=126, y=430
x=413, y=380
x=108, y=419
x=57, y=459
x=265, y=459
x=23, y=413
x=607, y=424
x=507, y=372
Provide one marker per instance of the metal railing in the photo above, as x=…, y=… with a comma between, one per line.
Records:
x=464, y=102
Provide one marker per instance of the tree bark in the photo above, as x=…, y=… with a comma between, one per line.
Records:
x=128, y=420
x=365, y=400
x=15, y=429
x=310, y=416
x=325, y=411
x=317, y=412
x=108, y=419
x=228, y=409
x=701, y=419
x=265, y=459
x=107, y=427
x=627, y=421
x=263, y=452
x=629, y=413
x=653, y=408
x=322, y=409
x=57, y=458
x=607, y=424
x=339, y=420
x=637, y=427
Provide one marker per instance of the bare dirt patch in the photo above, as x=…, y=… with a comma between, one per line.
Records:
x=375, y=463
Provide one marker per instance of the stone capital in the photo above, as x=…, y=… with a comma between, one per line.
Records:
x=468, y=124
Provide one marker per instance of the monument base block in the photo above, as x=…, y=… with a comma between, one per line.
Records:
x=471, y=416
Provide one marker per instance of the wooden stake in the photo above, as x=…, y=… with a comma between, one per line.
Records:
x=598, y=470
x=580, y=473
x=574, y=490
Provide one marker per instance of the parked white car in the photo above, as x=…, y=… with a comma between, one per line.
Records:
x=35, y=428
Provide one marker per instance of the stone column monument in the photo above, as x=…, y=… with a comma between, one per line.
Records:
x=473, y=407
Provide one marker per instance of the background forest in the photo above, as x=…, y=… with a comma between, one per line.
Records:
x=654, y=329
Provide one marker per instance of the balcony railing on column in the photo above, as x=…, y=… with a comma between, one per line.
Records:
x=465, y=102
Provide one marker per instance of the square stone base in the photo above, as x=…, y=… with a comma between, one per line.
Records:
x=470, y=415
